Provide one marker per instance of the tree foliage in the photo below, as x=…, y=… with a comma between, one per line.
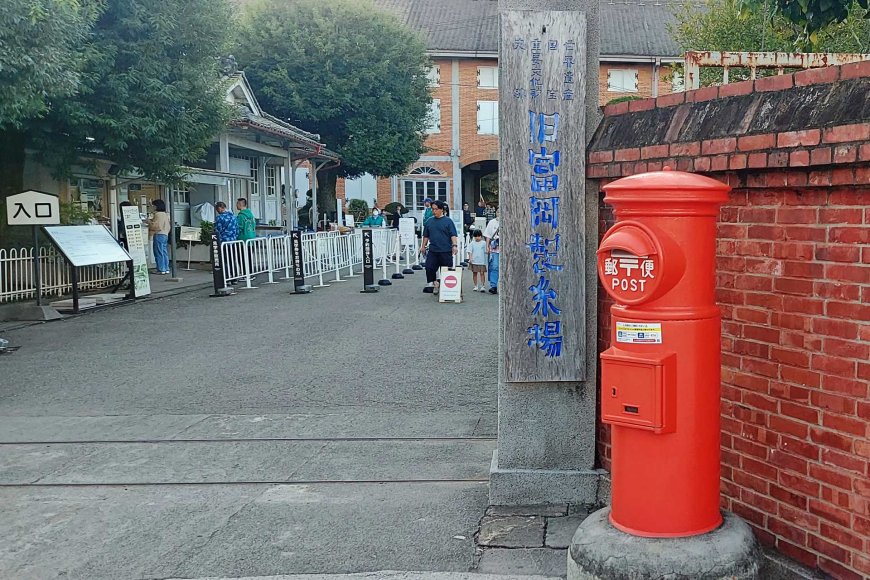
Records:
x=150, y=95
x=811, y=17
x=345, y=70
x=719, y=25
x=136, y=82
x=39, y=54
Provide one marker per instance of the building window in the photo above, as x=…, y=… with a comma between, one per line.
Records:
x=180, y=194
x=255, y=175
x=425, y=171
x=487, y=117
x=271, y=181
x=88, y=193
x=416, y=190
x=434, y=76
x=434, y=117
x=622, y=80
x=487, y=77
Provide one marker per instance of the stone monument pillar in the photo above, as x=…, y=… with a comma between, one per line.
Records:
x=549, y=232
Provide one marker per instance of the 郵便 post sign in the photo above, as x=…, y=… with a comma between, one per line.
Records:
x=542, y=188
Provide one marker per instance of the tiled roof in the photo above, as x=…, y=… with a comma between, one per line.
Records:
x=628, y=28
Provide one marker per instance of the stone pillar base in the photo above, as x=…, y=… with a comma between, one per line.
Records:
x=542, y=486
x=601, y=552
x=29, y=312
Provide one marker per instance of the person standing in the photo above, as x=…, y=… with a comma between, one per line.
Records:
x=225, y=226
x=427, y=213
x=493, y=248
x=480, y=210
x=375, y=220
x=159, y=227
x=467, y=218
x=442, y=243
x=245, y=220
x=397, y=216
x=477, y=258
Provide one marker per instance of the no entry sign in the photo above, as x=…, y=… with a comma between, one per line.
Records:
x=451, y=285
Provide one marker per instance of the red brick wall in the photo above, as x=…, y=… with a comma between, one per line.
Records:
x=793, y=284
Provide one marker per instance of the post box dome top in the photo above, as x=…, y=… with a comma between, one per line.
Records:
x=667, y=186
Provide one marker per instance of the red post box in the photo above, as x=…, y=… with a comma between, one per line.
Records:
x=660, y=377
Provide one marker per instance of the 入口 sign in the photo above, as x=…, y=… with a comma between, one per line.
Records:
x=32, y=208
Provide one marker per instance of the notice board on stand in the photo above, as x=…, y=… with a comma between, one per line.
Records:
x=87, y=245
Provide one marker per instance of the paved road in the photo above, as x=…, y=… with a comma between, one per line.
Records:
x=252, y=435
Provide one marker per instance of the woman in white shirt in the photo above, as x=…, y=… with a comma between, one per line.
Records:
x=159, y=227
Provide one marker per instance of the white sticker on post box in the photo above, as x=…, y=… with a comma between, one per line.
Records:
x=639, y=332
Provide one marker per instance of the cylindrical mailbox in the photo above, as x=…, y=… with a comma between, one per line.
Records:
x=660, y=377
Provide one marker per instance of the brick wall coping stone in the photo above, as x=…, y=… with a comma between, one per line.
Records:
x=812, y=127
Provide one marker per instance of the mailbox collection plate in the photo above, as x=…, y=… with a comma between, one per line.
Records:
x=638, y=390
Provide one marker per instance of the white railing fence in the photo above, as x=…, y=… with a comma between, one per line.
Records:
x=327, y=256
x=16, y=274
x=323, y=254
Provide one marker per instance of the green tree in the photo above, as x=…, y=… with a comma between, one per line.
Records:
x=345, y=70
x=40, y=59
x=811, y=17
x=148, y=94
x=720, y=25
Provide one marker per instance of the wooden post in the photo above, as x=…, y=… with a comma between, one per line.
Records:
x=548, y=105
x=542, y=206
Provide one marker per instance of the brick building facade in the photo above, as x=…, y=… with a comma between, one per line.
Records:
x=462, y=38
x=794, y=288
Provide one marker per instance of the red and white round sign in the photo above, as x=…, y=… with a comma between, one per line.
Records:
x=450, y=281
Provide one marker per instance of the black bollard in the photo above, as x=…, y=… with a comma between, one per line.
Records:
x=299, y=285
x=217, y=270
x=369, y=286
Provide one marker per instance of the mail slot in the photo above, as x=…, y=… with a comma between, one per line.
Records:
x=660, y=377
x=639, y=393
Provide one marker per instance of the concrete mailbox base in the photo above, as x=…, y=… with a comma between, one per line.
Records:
x=601, y=552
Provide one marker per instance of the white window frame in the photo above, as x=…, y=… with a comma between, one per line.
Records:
x=180, y=196
x=487, y=77
x=433, y=75
x=255, y=175
x=487, y=118
x=434, y=118
x=622, y=80
x=420, y=189
x=271, y=181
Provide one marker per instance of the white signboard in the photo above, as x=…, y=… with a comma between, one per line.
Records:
x=639, y=332
x=457, y=216
x=136, y=239
x=406, y=231
x=32, y=208
x=349, y=221
x=451, y=285
x=189, y=234
x=480, y=223
x=87, y=245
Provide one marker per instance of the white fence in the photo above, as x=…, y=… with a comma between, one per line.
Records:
x=328, y=257
x=327, y=254
x=16, y=274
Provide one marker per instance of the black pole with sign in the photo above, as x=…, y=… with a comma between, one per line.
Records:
x=368, y=263
x=217, y=270
x=299, y=286
x=74, y=274
x=37, y=274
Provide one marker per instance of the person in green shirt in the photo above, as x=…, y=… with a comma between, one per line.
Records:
x=428, y=213
x=246, y=221
x=375, y=220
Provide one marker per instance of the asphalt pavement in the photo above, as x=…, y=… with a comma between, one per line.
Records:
x=254, y=435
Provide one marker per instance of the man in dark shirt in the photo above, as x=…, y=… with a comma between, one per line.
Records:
x=440, y=239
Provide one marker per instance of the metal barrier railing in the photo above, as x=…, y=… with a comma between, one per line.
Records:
x=323, y=254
